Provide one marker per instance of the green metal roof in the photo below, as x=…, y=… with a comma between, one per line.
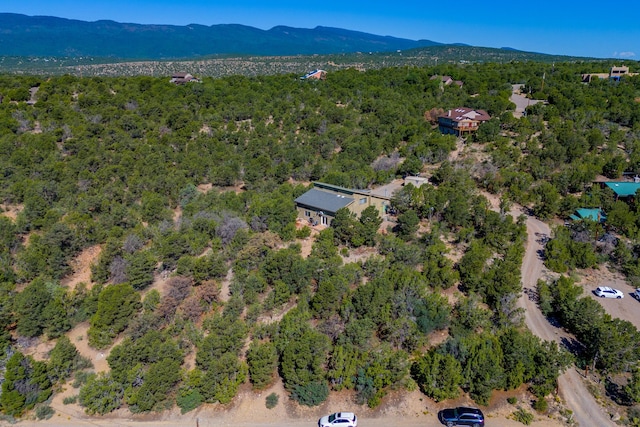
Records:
x=624, y=189
x=592, y=214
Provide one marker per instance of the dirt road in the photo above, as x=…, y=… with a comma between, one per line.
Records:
x=572, y=388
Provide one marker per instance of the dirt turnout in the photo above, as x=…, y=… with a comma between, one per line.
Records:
x=401, y=409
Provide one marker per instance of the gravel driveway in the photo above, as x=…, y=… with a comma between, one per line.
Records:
x=571, y=385
x=522, y=102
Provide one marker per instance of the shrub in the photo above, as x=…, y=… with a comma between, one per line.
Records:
x=101, y=395
x=512, y=400
x=311, y=394
x=81, y=378
x=44, y=412
x=272, y=401
x=540, y=405
x=633, y=414
x=303, y=232
x=188, y=400
x=69, y=400
x=523, y=416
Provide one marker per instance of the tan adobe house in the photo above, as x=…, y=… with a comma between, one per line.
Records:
x=461, y=121
x=615, y=73
x=447, y=80
x=182, y=78
x=320, y=204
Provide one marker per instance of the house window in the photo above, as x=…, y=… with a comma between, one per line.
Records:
x=363, y=200
x=324, y=220
x=307, y=214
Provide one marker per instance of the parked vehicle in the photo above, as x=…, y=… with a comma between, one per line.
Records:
x=340, y=419
x=607, y=292
x=636, y=294
x=462, y=416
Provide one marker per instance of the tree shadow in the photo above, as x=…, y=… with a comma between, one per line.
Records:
x=553, y=321
x=617, y=393
x=572, y=345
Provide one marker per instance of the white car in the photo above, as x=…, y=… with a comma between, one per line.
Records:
x=340, y=419
x=607, y=292
x=636, y=294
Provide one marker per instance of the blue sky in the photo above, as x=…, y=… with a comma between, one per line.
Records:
x=565, y=27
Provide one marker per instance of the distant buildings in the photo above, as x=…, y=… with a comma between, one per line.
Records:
x=182, y=78
x=447, y=80
x=315, y=74
x=461, y=121
x=615, y=73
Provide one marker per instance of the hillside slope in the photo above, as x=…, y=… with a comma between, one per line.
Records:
x=24, y=35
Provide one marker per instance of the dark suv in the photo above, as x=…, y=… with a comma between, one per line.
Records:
x=462, y=416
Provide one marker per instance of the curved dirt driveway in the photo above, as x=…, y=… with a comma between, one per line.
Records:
x=587, y=412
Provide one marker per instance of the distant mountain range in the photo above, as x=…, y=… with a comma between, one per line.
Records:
x=45, y=36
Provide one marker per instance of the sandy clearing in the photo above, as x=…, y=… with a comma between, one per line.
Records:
x=78, y=336
x=81, y=266
x=10, y=211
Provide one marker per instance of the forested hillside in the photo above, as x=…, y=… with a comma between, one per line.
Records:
x=23, y=35
x=195, y=185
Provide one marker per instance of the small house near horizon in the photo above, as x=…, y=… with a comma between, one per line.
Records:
x=182, y=78
x=447, y=80
x=315, y=74
x=615, y=73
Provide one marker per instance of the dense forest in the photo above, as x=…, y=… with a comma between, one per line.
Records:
x=196, y=184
